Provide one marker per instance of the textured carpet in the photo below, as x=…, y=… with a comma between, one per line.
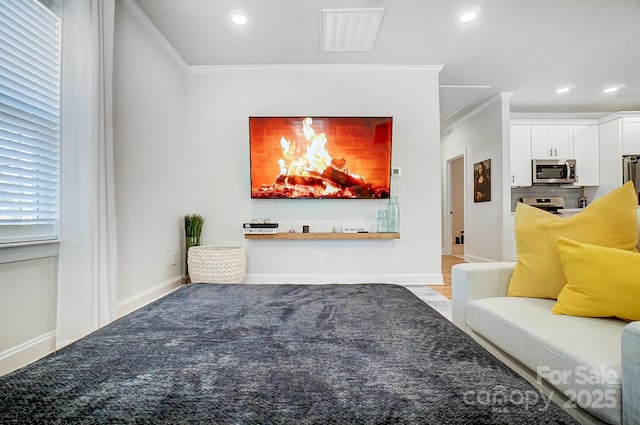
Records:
x=275, y=354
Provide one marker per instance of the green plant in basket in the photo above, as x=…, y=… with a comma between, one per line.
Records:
x=192, y=230
x=193, y=225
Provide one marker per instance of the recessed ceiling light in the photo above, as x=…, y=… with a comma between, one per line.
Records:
x=238, y=17
x=470, y=14
x=613, y=88
x=564, y=89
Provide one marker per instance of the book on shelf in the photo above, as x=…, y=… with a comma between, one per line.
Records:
x=260, y=225
x=355, y=229
x=260, y=231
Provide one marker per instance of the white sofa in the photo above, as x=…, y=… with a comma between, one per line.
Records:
x=591, y=366
x=593, y=362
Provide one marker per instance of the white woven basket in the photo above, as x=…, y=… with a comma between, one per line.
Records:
x=217, y=264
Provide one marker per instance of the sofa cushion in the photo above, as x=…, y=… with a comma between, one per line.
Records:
x=580, y=356
x=601, y=281
x=611, y=221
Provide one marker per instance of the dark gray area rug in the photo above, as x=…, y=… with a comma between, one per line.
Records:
x=276, y=354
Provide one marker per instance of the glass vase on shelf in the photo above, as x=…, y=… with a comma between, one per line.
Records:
x=381, y=222
x=393, y=215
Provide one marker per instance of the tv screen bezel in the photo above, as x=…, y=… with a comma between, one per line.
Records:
x=323, y=117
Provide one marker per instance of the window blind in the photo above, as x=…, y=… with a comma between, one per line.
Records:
x=30, y=54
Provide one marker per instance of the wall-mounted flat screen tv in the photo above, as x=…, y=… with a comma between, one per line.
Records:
x=320, y=157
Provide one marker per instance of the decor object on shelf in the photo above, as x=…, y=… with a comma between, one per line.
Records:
x=257, y=225
x=217, y=264
x=355, y=229
x=192, y=230
x=482, y=181
x=381, y=222
x=393, y=215
x=260, y=228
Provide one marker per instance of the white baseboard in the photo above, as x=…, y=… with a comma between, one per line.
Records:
x=30, y=351
x=27, y=352
x=476, y=259
x=130, y=304
x=397, y=278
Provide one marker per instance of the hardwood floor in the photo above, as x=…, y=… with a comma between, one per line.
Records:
x=447, y=262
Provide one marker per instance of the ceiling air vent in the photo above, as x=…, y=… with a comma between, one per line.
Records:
x=350, y=30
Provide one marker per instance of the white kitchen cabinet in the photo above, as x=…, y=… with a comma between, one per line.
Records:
x=586, y=149
x=631, y=136
x=552, y=141
x=520, y=136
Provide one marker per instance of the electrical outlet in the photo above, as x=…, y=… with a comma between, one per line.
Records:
x=174, y=259
x=319, y=257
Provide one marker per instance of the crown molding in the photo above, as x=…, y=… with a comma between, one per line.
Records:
x=234, y=69
x=502, y=97
x=154, y=32
x=557, y=115
x=481, y=90
x=617, y=115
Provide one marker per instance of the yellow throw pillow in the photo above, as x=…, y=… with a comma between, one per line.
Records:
x=601, y=282
x=610, y=221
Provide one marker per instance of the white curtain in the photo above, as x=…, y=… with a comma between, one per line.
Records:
x=87, y=267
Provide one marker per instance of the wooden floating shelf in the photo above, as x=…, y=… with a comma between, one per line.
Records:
x=323, y=235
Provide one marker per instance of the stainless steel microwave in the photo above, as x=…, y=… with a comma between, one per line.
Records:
x=554, y=170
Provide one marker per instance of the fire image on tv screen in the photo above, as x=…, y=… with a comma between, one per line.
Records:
x=320, y=157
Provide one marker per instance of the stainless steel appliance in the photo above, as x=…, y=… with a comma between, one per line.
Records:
x=631, y=171
x=551, y=204
x=553, y=170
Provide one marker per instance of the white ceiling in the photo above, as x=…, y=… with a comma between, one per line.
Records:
x=529, y=47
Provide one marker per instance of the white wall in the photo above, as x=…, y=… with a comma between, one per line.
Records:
x=28, y=294
x=150, y=162
x=219, y=102
x=481, y=136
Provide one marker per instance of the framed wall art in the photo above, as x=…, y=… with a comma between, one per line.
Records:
x=482, y=181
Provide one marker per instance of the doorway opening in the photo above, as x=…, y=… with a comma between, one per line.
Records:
x=456, y=205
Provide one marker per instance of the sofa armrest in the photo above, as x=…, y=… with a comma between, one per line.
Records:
x=631, y=373
x=474, y=281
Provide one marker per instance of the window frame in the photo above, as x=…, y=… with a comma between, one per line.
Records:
x=17, y=244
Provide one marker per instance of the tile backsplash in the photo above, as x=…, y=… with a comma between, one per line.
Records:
x=570, y=195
